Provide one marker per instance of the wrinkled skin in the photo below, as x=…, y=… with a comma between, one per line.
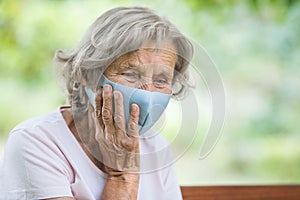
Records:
x=146, y=69
x=118, y=148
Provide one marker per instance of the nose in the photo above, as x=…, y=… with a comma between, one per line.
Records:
x=148, y=87
x=147, y=84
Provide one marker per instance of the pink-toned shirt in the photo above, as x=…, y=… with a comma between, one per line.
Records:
x=42, y=159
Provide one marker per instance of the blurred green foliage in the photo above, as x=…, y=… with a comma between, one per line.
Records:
x=255, y=45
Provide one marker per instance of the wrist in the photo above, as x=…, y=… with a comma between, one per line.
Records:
x=128, y=177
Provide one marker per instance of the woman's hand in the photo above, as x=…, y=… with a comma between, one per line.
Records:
x=118, y=144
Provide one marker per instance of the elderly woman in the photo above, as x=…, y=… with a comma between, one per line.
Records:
x=119, y=80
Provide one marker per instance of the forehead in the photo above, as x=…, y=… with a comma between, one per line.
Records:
x=154, y=57
x=152, y=54
x=149, y=54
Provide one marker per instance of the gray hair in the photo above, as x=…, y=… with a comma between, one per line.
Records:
x=114, y=33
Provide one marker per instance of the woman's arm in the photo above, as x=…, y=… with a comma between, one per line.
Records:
x=119, y=146
x=120, y=187
x=126, y=184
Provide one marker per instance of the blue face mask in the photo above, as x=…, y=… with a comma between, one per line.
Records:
x=151, y=104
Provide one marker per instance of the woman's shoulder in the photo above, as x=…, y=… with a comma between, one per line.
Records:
x=41, y=129
x=36, y=122
x=36, y=136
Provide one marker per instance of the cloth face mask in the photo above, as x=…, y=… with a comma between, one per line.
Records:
x=151, y=104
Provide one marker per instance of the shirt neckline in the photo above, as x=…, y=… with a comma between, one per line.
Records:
x=76, y=143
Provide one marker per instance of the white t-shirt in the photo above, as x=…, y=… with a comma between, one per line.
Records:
x=42, y=159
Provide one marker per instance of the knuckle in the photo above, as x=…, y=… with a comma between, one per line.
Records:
x=117, y=118
x=132, y=115
x=134, y=110
x=106, y=114
x=132, y=126
x=98, y=114
x=126, y=143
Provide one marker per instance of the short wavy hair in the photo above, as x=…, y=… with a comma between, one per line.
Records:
x=116, y=32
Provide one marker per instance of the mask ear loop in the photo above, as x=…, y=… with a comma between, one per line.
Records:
x=89, y=92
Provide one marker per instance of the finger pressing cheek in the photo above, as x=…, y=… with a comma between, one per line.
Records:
x=133, y=120
x=119, y=117
x=99, y=103
x=107, y=105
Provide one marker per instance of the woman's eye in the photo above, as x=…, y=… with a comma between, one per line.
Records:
x=160, y=82
x=131, y=76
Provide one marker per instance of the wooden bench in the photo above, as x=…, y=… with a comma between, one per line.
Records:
x=268, y=192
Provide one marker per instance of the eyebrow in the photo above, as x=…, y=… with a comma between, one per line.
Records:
x=139, y=68
x=128, y=66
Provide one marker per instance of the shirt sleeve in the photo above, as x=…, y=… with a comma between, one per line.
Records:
x=33, y=168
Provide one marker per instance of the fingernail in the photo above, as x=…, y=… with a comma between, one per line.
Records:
x=106, y=88
x=116, y=95
x=134, y=107
x=99, y=91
